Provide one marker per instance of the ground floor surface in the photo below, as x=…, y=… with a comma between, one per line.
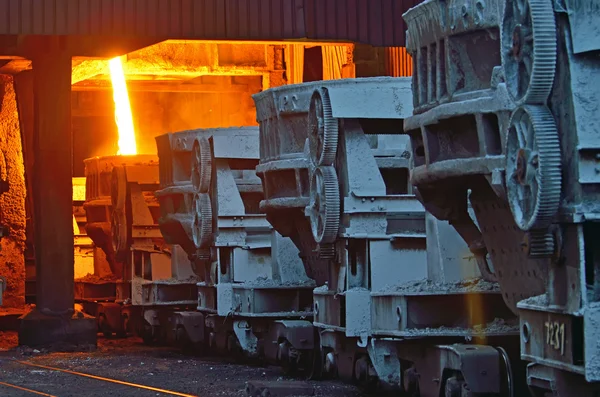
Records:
x=166, y=371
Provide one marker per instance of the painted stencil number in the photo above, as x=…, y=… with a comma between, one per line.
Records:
x=555, y=335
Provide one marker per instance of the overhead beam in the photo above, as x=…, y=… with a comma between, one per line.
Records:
x=185, y=61
x=162, y=67
x=15, y=66
x=262, y=42
x=166, y=87
x=87, y=69
x=84, y=70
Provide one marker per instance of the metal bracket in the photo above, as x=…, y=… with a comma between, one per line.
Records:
x=192, y=323
x=299, y=333
x=151, y=317
x=385, y=360
x=248, y=341
x=112, y=316
x=479, y=365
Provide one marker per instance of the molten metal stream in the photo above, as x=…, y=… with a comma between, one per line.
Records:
x=123, y=116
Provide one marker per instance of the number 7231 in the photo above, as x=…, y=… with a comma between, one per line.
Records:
x=555, y=335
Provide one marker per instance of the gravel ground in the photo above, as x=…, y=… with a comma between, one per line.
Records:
x=129, y=360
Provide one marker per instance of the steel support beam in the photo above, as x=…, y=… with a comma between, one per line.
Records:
x=53, y=321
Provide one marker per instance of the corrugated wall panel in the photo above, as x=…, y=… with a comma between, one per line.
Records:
x=375, y=22
x=398, y=63
x=4, y=17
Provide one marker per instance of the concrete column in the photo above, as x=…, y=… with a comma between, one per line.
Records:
x=52, y=183
x=54, y=320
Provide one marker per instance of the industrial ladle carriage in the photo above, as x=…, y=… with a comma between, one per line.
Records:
x=501, y=123
x=135, y=273
x=335, y=173
x=506, y=117
x=254, y=296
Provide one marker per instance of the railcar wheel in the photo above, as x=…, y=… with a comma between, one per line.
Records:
x=288, y=358
x=454, y=387
x=122, y=333
x=147, y=334
x=510, y=382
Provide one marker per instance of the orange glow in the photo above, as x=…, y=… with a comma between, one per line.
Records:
x=123, y=116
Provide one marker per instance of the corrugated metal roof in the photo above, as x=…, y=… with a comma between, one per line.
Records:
x=375, y=22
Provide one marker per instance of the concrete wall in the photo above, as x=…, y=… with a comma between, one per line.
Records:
x=369, y=61
x=382, y=61
x=12, y=203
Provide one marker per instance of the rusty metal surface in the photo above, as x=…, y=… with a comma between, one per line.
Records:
x=376, y=22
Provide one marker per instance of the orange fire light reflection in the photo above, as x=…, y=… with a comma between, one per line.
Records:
x=123, y=117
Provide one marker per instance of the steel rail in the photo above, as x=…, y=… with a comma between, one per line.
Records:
x=39, y=393
x=101, y=378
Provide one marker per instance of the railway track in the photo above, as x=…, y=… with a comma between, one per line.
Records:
x=89, y=376
x=16, y=387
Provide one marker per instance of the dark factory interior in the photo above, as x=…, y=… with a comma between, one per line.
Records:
x=299, y=198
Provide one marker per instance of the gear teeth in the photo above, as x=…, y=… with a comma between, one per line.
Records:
x=542, y=24
x=325, y=220
x=326, y=251
x=118, y=222
x=541, y=244
x=118, y=226
x=326, y=155
x=201, y=165
x=540, y=212
x=118, y=188
x=202, y=229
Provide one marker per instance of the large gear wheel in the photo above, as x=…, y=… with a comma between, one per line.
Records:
x=324, y=207
x=540, y=244
x=118, y=222
x=322, y=129
x=528, y=48
x=533, y=167
x=326, y=250
x=201, y=165
x=202, y=228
